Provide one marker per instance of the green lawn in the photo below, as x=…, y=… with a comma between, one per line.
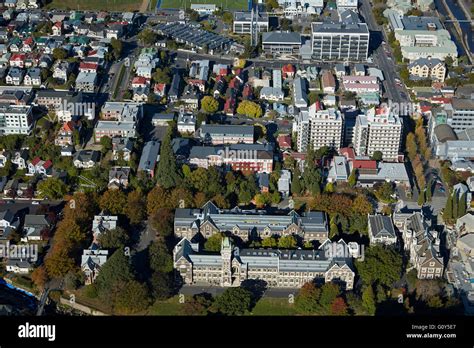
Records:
x=273, y=306
x=225, y=4
x=167, y=307
x=110, y=5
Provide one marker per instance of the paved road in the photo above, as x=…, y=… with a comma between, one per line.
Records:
x=381, y=59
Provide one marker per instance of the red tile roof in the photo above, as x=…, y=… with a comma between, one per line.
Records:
x=364, y=164
x=35, y=161
x=47, y=164
x=88, y=65
x=348, y=152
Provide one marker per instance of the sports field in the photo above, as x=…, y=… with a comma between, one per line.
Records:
x=224, y=4
x=109, y=5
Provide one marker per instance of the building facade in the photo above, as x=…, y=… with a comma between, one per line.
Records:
x=16, y=119
x=378, y=130
x=248, y=225
x=278, y=268
x=318, y=128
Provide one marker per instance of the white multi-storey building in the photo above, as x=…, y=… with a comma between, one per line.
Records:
x=343, y=5
x=16, y=119
x=347, y=40
x=318, y=128
x=378, y=130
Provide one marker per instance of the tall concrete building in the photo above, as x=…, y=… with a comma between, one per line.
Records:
x=318, y=128
x=461, y=114
x=16, y=119
x=346, y=40
x=378, y=130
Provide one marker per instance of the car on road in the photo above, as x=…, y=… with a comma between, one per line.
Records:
x=35, y=202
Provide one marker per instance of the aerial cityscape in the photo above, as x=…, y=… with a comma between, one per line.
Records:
x=244, y=158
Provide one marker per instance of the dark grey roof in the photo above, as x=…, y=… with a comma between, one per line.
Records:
x=381, y=225
x=149, y=156
x=220, y=129
x=444, y=133
x=281, y=37
x=420, y=23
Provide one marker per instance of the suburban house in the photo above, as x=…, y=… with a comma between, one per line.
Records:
x=86, y=158
x=111, y=129
x=121, y=148
x=226, y=134
x=39, y=167
x=15, y=76
x=150, y=156
x=34, y=227
x=86, y=81
x=118, y=177
x=32, y=77
x=91, y=262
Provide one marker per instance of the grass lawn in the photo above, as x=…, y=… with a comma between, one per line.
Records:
x=273, y=306
x=167, y=307
x=110, y=5
x=225, y=4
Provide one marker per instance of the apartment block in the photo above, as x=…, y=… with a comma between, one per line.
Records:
x=378, y=130
x=318, y=128
x=346, y=40
x=16, y=119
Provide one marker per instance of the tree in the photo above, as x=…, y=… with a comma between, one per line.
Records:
x=157, y=198
x=161, y=285
x=132, y=298
x=307, y=299
x=162, y=75
x=329, y=293
x=116, y=48
x=113, y=275
x=59, y=53
x=198, y=305
x=285, y=24
x=40, y=277
x=338, y=307
x=160, y=258
x=193, y=15
x=113, y=201
x=382, y=265
x=209, y=104
x=352, y=180
x=462, y=206
x=368, y=300
x=269, y=242
x=333, y=229
x=136, y=207
x=411, y=146
x=106, y=144
x=167, y=173
x=421, y=197
x=377, y=156
x=448, y=209
x=52, y=188
x=270, y=5
x=250, y=109
x=287, y=242
x=114, y=239
x=147, y=37
x=313, y=97
x=234, y=301
x=296, y=185
x=162, y=222
x=58, y=262
x=213, y=243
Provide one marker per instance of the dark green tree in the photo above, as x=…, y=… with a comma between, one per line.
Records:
x=462, y=208
x=160, y=258
x=167, y=173
x=382, y=265
x=448, y=209
x=234, y=301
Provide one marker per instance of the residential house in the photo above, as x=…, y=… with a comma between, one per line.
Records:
x=86, y=81
x=15, y=76
x=284, y=183
x=19, y=159
x=91, y=262
x=150, y=156
x=272, y=94
x=186, y=123
x=427, y=68
x=33, y=77
x=39, y=167
x=118, y=177
x=34, y=227
x=121, y=148
x=86, y=158
x=61, y=70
